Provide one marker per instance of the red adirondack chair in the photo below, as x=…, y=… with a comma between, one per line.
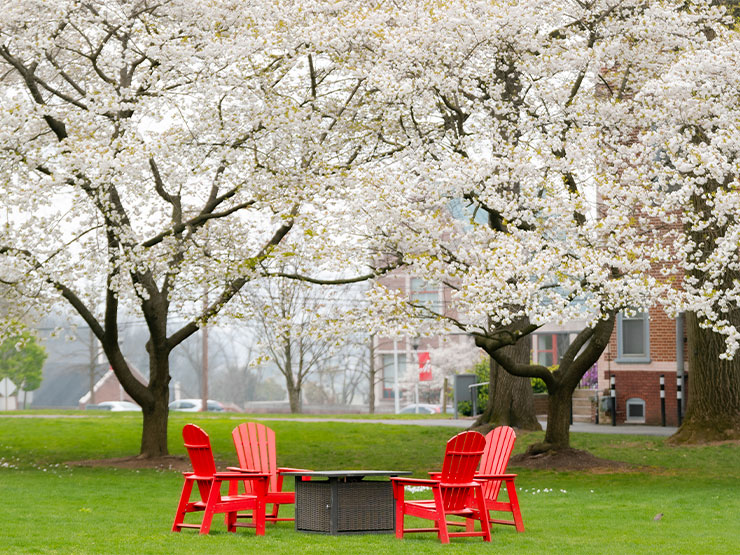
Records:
x=209, y=483
x=451, y=491
x=499, y=444
x=255, y=449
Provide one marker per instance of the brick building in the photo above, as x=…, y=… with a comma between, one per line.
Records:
x=549, y=344
x=645, y=346
x=399, y=354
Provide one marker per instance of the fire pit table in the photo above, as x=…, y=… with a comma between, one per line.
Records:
x=345, y=502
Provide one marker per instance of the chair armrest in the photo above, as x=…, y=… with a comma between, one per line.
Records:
x=241, y=476
x=414, y=481
x=244, y=470
x=286, y=469
x=494, y=476
x=474, y=484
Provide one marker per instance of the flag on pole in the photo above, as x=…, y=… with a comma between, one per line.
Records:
x=425, y=367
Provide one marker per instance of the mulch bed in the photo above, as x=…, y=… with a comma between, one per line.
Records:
x=569, y=459
x=565, y=460
x=176, y=463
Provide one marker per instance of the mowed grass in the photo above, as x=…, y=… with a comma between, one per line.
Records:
x=49, y=507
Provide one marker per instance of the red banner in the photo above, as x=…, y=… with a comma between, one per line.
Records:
x=425, y=367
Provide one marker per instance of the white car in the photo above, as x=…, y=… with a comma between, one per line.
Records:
x=194, y=405
x=114, y=406
x=421, y=408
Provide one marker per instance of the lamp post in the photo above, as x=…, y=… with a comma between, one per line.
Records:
x=396, y=406
x=415, y=341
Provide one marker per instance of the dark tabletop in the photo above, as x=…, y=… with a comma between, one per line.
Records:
x=346, y=473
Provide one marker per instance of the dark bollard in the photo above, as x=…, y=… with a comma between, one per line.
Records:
x=613, y=393
x=571, y=411
x=679, y=399
x=662, y=399
x=597, y=406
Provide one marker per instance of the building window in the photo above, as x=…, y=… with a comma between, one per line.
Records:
x=468, y=212
x=550, y=347
x=425, y=293
x=636, y=410
x=633, y=337
x=389, y=372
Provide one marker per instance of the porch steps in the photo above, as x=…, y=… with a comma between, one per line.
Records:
x=582, y=399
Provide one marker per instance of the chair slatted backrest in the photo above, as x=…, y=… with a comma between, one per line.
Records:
x=199, y=450
x=462, y=456
x=495, y=459
x=255, y=449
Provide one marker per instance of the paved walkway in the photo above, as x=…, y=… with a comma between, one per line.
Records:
x=630, y=429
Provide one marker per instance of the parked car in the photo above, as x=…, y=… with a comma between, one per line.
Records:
x=421, y=408
x=194, y=405
x=114, y=406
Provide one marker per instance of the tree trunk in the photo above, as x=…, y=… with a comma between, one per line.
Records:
x=510, y=398
x=91, y=365
x=155, y=413
x=152, y=398
x=294, y=397
x=713, y=409
x=557, y=436
x=154, y=430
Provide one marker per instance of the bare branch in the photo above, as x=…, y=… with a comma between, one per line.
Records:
x=233, y=287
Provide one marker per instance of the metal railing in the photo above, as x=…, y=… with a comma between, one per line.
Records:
x=474, y=395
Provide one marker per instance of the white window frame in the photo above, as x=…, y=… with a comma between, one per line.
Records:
x=389, y=368
x=630, y=357
x=423, y=293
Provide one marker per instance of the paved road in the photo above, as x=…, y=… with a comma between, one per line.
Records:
x=466, y=422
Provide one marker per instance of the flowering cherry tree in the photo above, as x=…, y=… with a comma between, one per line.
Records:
x=683, y=172
x=151, y=152
x=523, y=189
x=516, y=151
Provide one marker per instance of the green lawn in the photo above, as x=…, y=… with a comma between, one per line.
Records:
x=49, y=507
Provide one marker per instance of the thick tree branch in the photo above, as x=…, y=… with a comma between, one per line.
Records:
x=57, y=126
x=196, y=222
x=525, y=370
x=338, y=281
x=107, y=335
x=595, y=344
x=174, y=200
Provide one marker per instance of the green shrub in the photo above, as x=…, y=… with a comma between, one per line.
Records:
x=482, y=374
x=538, y=385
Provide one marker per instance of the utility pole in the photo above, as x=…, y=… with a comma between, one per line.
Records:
x=371, y=375
x=396, y=394
x=204, y=353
